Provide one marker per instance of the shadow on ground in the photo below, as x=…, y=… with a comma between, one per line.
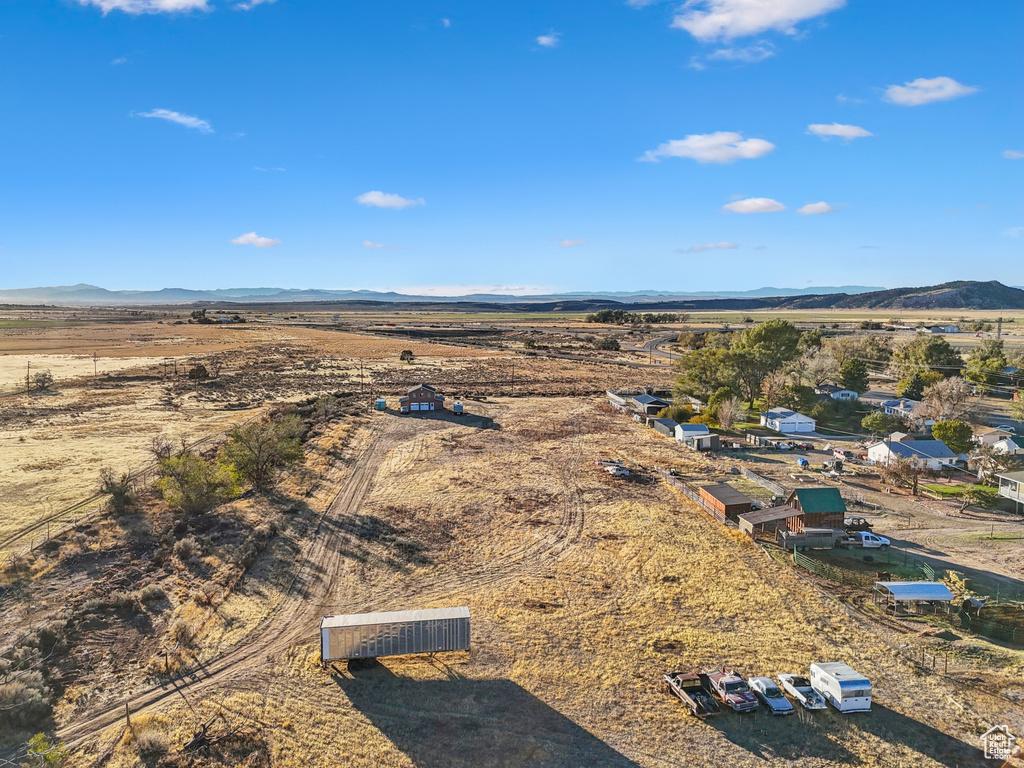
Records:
x=480, y=723
x=467, y=419
x=823, y=735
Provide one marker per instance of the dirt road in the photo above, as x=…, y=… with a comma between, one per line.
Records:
x=295, y=619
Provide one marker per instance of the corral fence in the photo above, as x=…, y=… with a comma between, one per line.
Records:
x=693, y=494
x=834, y=573
x=764, y=482
x=1005, y=632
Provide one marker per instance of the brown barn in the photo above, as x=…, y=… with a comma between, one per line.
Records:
x=422, y=397
x=821, y=508
x=726, y=499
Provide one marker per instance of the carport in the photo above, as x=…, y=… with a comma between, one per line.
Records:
x=767, y=521
x=908, y=597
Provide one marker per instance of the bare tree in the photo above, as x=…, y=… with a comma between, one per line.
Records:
x=948, y=400
x=901, y=471
x=728, y=413
x=773, y=389
x=161, y=447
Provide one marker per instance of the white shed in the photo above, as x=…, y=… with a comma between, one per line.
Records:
x=787, y=421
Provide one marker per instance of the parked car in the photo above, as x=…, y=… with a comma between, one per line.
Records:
x=799, y=687
x=770, y=695
x=730, y=688
x=1007, y=428
x=842, y=453
x=694, y=689
x=865, y=540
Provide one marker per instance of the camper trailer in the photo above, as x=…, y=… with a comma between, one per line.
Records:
x=841, y=686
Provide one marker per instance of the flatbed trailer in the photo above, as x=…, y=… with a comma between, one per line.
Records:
x=694, y=689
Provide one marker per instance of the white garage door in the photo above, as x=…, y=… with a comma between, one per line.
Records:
x=415, y=406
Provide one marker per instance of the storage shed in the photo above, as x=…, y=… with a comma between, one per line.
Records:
x=769, y=521
x=726, y=499
x=667, y=427
x=912, y=596
x=649, y=404
x=820, y=507
x=395, y=633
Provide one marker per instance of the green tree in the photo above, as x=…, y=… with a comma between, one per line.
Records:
x=762, y=350
x=680, y=414
x=44, y=752
x=705, y=371
x=985, y=363
x=258, y=451
x=406, y=356
x=1017, y=408
x=927, y=352
x=914, y=385
x=607, y=343
x=193, y=484
x=42, y=381
x=854, y=375
x=878, y=423
x=810, y=341
x=955, y=434
x=721, y=395
x=119, y=488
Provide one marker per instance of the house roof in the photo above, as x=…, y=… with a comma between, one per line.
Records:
x=831, y=389
x=693, y=429
x=667, y=423
x=916, y=590
x=903, y=403
x=421, y=386
x=1017, y=477
x=726, y=494
x=770, y=514
x=784, y=414
x=991, y=431
x=927, y=449
x=898, y=437
x=819, y=500
x=648, y=400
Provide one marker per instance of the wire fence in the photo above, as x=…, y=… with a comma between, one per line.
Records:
x=693, y=494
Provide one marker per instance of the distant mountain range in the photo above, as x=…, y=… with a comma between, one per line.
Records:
x=91, y=295
x=963, y=294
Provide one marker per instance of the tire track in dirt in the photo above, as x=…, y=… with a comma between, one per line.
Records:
x=295, y=618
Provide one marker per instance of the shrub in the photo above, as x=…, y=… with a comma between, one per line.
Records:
x=187, y=548
x=149, y=742
x=258, y=451
x=182, y=632
x=25, y=701
x=151, y=593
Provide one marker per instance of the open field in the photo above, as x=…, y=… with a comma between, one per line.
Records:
x=584, y=588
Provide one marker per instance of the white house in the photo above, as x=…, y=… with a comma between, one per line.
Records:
x=787, y=421
x=930, y=454
x=990, y=436
x=1008, y=446
x=904, y=408
x=1011, y=486
x=836, y=393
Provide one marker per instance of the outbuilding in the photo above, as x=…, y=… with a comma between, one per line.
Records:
x=725, y=499
x=787, y=421
x=905, y=597
x=667, y=427
x=770, y=521
x=649, y=404
x=393, y=633
x=818, y=507
x=422, y=397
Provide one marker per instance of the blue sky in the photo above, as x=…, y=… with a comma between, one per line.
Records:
x=526, y=146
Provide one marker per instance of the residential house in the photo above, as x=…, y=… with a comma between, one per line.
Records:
x=818, y=508
x=649, y=404
x=990, y=436
x=944, y=329
x=422, y=397
x=1009, y=446
x=834, y=392
x=930, y=454
x=903, y=408
x=1011, y=486
x=696, y=405
x=667, y=427
x=787, y=421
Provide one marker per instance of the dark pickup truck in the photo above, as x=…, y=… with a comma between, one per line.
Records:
x=732, y=690
x=694, y=689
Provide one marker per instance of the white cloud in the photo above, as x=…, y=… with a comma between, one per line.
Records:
x=248, y=5
x=709, y=20
x=257, y=168
x=712, y=247
x=148, y=6
x=755, y=205
x=550, y=40
x=827, y=131
x=446, y=23
x=815, y=209
x=1012, y=154
x=119, y=61
x=376, y=199
x=572, y=243
x=926, y=90
x=750, y=54
x=177, y=117
x=371, y=244
x=251, y=238
x=1014, y=232
x=718, y=147
x=844, y=99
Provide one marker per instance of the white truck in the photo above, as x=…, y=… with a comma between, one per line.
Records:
x=841, y=686
x=863, y=539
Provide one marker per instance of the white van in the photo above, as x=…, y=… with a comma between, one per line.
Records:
x=841, y=686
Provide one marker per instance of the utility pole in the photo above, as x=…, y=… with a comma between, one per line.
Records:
x=513, y=377
x=94, y=357
x=999, y=328
x=28, y=371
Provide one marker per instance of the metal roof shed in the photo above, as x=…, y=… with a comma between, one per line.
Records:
x=394, y=633
x=911, y=596
x=769, y=520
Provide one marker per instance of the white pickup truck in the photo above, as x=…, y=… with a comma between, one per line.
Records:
x=864, y=539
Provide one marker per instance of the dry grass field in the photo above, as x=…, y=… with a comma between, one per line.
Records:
x=584, y=590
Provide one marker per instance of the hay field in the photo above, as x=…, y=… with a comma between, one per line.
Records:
x=584, y=590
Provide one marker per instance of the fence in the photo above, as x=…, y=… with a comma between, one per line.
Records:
x=833, y=573
x=1005, y=632
x=764, y=482
x=693, y=495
